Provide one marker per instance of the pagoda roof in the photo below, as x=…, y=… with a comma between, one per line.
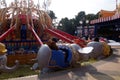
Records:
x=105, y=19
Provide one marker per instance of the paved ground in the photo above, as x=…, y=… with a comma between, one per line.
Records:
x=108, y=69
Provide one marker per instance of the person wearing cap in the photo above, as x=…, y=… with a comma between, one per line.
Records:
x=3, y=60
x=3, y=49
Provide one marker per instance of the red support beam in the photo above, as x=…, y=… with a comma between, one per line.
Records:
x=36, y=36
x=58, y=35
x=65, y=34
x=76, y=39
x=3, y=36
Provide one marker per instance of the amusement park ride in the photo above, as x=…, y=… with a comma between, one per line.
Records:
x=26, y=30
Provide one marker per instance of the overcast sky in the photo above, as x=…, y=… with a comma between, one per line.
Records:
x=70, y=8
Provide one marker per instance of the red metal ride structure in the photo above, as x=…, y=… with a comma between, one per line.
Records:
x=23, y=25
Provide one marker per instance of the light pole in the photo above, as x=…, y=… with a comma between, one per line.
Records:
x=83, y=23
x=87, y=24
x=55, y=23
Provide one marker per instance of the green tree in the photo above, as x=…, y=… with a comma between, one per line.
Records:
x=67, y=25
x=91, y=16
x=52, y=15
x=81, y=16
x=70, y=26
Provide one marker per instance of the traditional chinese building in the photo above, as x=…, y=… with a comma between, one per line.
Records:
x=108, y=24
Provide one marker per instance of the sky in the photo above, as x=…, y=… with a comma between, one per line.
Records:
x=70, y=8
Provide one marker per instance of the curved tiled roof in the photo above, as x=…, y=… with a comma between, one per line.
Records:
x=104, y=19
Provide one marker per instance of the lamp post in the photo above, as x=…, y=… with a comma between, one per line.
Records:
x=55, y=23
x=87, y=24
x=83, y=23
